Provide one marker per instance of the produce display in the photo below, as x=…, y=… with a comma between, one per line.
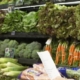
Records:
x=30, y=21
x=7, y=44
x=21, y=50
x=3, y=2
x=22, y=22
x=73, y=73
x=10, y=68
x=66, y=53
x=28, y=51
x=59, y=20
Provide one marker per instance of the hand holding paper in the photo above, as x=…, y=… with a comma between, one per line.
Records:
x=49, y=65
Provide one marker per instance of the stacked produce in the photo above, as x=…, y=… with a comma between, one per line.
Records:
x=12, y=23
x=74, y=55
x=10, y=69
x=7, y=44
x=71, y=51
x=30, y=21
x=61, y=53
x=52, y=19
x=28, y=51
x=54, y=45
x=73, y=73
x=21, y=50
x=19, y=21
x=59, y=20
x=67, y=54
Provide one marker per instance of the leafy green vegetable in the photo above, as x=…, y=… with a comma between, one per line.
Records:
x=30, y=21
x=61, y=21
x=27, y=53
x=8, y=25
x=34, y=54
x=13, y=44
x=21, y=53
x=22, y=46
x=30, y=51
x=73, y=74
x=23, y=22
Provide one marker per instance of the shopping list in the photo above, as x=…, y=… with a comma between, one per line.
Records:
x=49, y=64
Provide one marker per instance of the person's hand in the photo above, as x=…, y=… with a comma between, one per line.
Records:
x=25, y=76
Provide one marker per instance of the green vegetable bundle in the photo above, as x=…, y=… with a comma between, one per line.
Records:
x=7, y=44
x=12, y=23
x=73, y=74
x=59, y=20
x=30, y=21
x=10, y=68
x=28, y=50
x=3, y=2
x=20, y=21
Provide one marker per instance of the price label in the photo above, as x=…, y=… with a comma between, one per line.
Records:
x=9, y=52
x=13, y=33
x=10, y=8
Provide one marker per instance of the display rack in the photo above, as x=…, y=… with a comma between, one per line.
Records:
x=70, y=2
x=23, y=35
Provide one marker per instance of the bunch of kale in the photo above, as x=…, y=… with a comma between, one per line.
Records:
x=61, y=21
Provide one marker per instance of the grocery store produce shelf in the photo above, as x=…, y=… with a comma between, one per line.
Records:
x=28, y=61
x=29, y=6
x=34, y=6
x=23, y=35
x=23, y=7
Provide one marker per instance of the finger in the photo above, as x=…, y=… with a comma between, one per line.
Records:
x=27, y=77
x=30, y=77
x=23, y=77
x=24, y=73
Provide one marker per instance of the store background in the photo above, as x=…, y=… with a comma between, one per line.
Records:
x=23, y=37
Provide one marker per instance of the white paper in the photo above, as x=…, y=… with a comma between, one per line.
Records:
x=49, y=64
x=48, y=42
